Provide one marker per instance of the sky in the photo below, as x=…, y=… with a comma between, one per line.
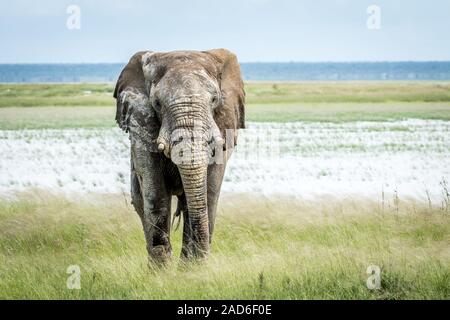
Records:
x=256, y=30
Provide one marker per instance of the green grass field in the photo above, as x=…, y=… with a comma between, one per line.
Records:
x=92, y=105
x=262, y=249
x=30, y=95
x=102, y=117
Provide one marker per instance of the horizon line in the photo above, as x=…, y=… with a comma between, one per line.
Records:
x=244, y=62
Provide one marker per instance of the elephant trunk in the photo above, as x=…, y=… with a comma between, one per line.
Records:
x=194, y=182
x=189, y=151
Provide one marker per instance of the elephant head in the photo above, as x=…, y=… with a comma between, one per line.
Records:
x=182, y=103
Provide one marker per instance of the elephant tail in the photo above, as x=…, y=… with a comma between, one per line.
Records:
x=177, y=217
x=181, y=207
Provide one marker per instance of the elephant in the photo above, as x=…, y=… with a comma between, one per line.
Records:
x=182, y=111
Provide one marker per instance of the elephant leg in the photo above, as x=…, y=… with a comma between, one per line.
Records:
x=156, y=225
x=136, y=195
x=215, y=178
x=155, y=199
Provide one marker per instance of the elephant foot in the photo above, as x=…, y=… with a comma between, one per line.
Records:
x=186, y=253
x=191, y=253
x=160, y=255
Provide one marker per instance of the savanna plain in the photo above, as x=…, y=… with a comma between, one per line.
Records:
x=329, y=179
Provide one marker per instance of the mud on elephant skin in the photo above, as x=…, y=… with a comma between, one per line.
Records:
x=182, y=110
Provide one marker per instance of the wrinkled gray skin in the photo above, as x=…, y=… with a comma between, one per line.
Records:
x=176, y=107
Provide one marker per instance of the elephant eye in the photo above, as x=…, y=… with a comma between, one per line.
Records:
x=157, y=105
x=214, y=100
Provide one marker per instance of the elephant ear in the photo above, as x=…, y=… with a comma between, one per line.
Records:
x=133, y=113
x=129, y=87
x=230, y=114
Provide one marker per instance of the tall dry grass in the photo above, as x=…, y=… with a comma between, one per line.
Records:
x=263, y=248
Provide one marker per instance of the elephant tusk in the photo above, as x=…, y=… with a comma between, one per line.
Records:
x=161, y=147
x=219, y=140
